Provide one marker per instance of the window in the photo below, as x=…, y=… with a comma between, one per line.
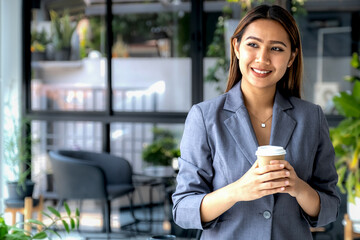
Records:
x=109, y=85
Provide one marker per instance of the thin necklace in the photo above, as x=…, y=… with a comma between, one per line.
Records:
x=263, y=123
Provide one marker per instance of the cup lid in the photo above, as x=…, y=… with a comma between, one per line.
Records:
x=269, y=150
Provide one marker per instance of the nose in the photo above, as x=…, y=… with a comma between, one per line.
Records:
x=263, y=57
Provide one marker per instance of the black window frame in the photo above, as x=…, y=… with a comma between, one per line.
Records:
x=109, y=116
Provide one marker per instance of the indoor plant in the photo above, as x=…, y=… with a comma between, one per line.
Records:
x=69, y=222
x=346, y=140
x=39, y=40
x=62, y=31
x=162, y=150
x=17, y=155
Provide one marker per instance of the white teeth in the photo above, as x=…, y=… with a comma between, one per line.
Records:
x=261, y=72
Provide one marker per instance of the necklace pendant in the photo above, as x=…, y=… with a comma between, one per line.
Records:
x=263, y=125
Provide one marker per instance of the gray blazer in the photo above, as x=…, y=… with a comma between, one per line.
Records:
x=218, y=147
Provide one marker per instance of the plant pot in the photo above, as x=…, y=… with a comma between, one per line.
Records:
x=354, y=214
x=16, y=192
x=62, y=54
x=38, y=56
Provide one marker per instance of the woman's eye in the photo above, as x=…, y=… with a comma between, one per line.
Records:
x=254, y=45
x=277, y=49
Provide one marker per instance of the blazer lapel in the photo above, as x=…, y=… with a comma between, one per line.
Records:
x=240, y=128
x=282, y=124
x=239, y=124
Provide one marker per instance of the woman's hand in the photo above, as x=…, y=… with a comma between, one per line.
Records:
x=261, y=181
x=296, y=184
x=255, y=183
x=305, y=195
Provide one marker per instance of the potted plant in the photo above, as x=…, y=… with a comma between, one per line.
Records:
x=346, y=140
x=62, y=31
x=16, y=232
x=161, y=152
x=39, y=40
x=17, y=155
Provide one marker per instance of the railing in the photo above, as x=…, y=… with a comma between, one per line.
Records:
x=127, y=139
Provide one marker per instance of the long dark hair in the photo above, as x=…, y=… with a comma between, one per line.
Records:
x=290, y=83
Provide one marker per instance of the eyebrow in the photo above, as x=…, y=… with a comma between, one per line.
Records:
x=272, y=41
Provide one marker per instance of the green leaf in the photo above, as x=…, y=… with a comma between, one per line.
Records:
x=347, y=105
x=339, y=163
x=47, y=215
x=40, y=235
x=352, y=78
x=349, y=128
x=351, y=197
x=16, y=229
x=350, y=185
x=77, y=212
x=355, y=63
x=72, y=223
x=341, y=173
x=17, y=236
x=66, y=226
x=54, y=211
x=68, y=211
x=54, y=232
x=341, y=188
x=34, y=221
x=357, y=183
x=356, y=91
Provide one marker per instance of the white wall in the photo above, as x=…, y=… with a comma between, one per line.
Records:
x=10, y=70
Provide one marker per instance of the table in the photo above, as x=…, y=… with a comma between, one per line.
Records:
x=157, y=178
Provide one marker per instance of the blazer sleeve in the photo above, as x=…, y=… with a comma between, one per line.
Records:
x=194, y=179
x=324, y=177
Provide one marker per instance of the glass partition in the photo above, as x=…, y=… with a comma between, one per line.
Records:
x=72, y=135
x=68, y=68
x=130, y=140
x=151, y=67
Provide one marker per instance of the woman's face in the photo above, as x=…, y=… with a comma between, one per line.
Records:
x=264, y=54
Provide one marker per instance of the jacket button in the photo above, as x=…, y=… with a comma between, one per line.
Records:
x=267, y=214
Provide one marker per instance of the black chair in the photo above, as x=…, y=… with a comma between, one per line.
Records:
x=90, y=175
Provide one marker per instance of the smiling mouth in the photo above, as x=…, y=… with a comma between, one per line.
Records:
x=260, y=71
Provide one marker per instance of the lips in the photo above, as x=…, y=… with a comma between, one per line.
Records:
x=260, y=73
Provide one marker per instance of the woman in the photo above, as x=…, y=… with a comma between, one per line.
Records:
x=220, y=187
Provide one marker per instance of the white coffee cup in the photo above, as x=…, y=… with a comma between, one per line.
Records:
x=268, y=152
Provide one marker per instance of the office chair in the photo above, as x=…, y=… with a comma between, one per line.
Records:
x=89, y=175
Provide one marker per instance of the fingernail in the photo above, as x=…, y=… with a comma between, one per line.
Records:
x=287, y=173
x=282, y=165
x=286, y=182
x=282, y=189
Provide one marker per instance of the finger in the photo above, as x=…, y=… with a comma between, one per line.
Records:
x=271, y=168
x=273, y=191
x=280, y=161
x=274, y=184
x=286, y=163
x=288, y=189
x=256, y=164
x=270, y=176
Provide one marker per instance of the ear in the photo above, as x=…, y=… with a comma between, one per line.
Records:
x=236, y=44
x=292, y=57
